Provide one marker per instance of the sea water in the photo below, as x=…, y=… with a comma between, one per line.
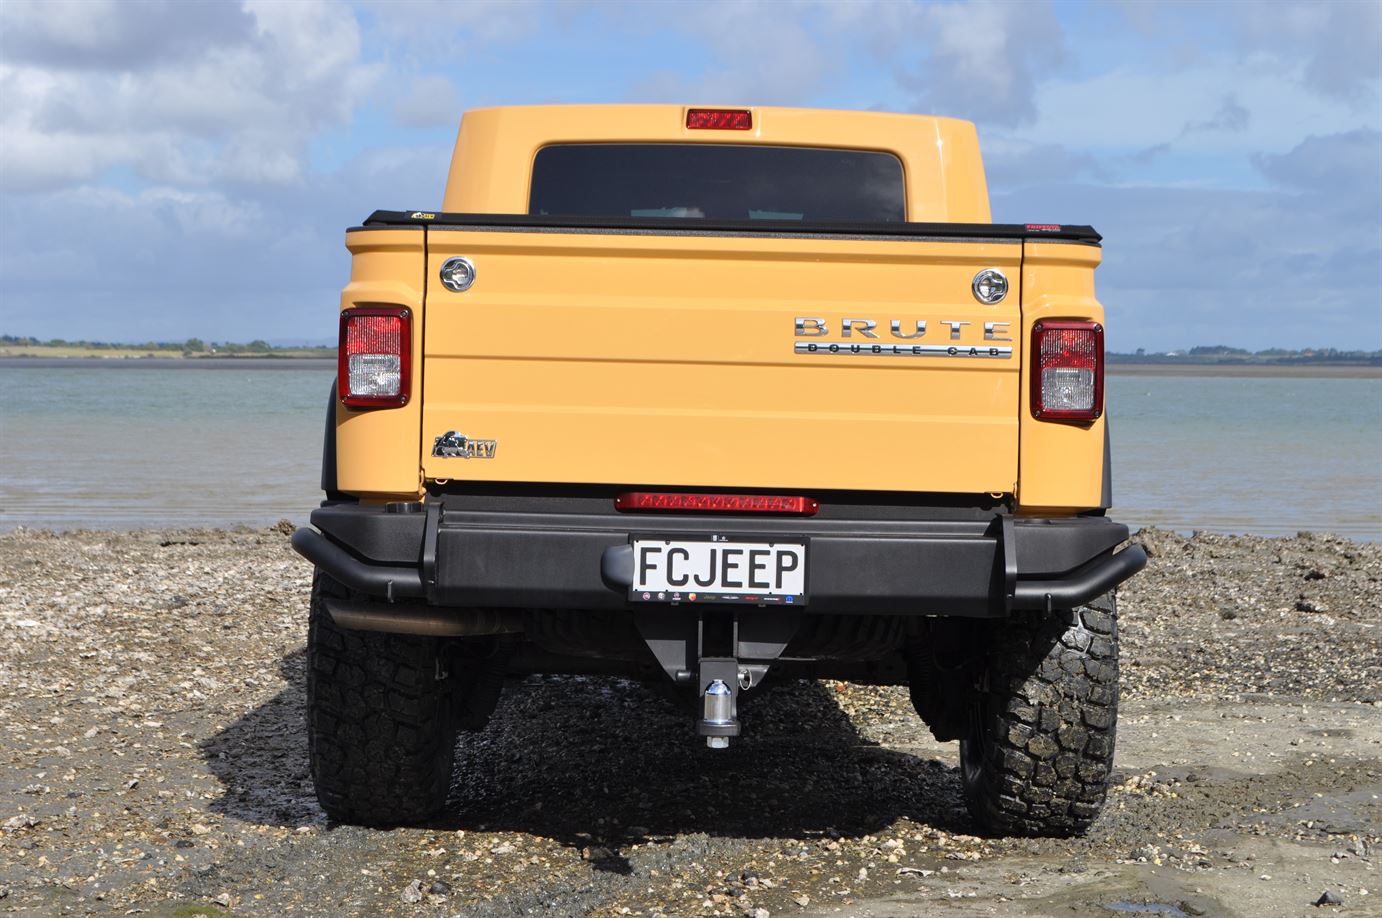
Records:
x=175, y=445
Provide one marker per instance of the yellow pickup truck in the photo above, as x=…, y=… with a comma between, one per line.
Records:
x=710, y=397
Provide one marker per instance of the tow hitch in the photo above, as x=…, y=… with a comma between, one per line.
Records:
x=721, y=653
x=719, y=722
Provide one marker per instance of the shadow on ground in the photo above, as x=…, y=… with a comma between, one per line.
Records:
x=597, y=763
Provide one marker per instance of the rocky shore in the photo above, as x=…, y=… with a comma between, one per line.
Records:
x=153, y=761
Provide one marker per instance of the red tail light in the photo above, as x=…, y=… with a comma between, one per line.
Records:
x=374, y=360
x=1067, y=371
x=716, y=503
x=719, y=119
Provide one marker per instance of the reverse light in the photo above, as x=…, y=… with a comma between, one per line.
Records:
x=719, y=119
x=716, y=503
x=374, y=360
x=1067, y=371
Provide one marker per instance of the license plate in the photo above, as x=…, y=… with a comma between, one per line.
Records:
x=718, y=570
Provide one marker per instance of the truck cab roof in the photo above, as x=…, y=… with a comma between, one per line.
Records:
x=491, y=170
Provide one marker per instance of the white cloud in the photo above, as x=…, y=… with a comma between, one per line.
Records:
x=1338, y=43
x=1231, y=158
x=429, y=26
x=763, y=53
x=167, y=262
x=985, y=59
x=395, y=178
x=981, y=60
x=126, y=35
x=1097, y=113
x=207, y=215
x=1253, y=269
x=1347, y=165
x=1010, y=162
x=430, y=101
x=1230, y=116
x=242, y=109
x=1331, y=48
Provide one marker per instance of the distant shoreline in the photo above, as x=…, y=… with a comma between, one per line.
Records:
x=169, y=363
x=1249, y=370
x=1244, y=370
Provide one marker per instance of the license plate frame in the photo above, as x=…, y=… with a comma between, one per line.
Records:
x=640, y=590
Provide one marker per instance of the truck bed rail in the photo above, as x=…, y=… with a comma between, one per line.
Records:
x=1049, y=232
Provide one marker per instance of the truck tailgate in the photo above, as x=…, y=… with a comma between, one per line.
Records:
x=671, y=358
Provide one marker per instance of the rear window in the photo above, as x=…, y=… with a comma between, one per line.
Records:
x=718, y=182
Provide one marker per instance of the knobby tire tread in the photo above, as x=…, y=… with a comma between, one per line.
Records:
x=381, y=729
x=1048, y=722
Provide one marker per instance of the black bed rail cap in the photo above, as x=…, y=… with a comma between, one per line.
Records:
x=1054, y=232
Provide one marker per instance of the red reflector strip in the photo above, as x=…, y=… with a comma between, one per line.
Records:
x=375, y=352
x=716, y=503
x=719, y=119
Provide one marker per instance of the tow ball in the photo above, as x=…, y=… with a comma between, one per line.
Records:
x=720, y=654
x=721, y=678
x=719, y=712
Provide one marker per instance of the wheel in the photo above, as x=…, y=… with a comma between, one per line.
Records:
x=1039, y=748
x=381, y=726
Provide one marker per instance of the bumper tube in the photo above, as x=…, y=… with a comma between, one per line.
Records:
x=1093, y=579
x=485, y=559
x=371, y=579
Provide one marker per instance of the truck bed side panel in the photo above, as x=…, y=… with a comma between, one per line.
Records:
x=1062, y=463
x=376, y=450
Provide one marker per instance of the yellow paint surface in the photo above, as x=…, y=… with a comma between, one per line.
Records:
x=1062, y=462
x=377, y=449
x=635, y=359
x=492, y=167
x=638, y=359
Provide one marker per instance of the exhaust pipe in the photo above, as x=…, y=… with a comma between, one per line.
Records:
x=403, y=618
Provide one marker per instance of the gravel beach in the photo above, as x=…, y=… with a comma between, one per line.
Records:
x=154, y=762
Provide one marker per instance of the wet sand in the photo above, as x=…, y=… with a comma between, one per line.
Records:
x=154, y=761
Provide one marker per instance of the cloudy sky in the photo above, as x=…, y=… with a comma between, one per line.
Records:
x=171, y=168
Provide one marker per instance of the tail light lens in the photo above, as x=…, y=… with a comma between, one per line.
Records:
x=1067, y=371
x=719, y=119
x=716, y=503
x=374, y=362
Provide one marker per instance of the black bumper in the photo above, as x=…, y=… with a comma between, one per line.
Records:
x=525, y=554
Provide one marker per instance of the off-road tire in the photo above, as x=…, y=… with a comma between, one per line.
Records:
x=381, y=728
x=1040, y=746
